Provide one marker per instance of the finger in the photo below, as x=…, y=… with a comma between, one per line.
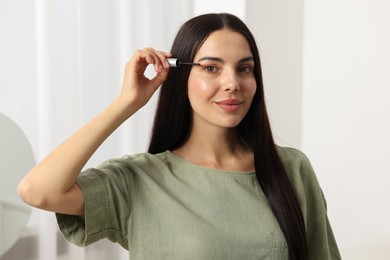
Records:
x=162, y=55
x=159, y=58
x=160, y=77
x=151, y=57
x=142, y=59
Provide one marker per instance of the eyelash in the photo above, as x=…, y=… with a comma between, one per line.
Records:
x=213, y=69
x=248, y=69
x=208, y=67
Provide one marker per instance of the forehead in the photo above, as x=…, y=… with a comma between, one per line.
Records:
x=224, y=42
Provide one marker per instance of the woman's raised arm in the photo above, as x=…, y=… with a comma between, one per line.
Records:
x=50, y=185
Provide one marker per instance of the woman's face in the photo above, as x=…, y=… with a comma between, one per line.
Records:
x=222, y=88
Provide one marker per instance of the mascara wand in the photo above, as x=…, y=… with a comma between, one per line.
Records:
x=175, y=63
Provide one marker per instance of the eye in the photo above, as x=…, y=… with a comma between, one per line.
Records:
x=245, y=69
x=210, y=68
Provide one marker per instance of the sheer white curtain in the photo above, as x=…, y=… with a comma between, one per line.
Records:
x=62, y=64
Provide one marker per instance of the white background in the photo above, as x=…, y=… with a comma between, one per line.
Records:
x=326, y=74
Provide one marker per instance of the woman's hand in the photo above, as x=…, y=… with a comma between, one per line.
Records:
x=137, y=89
x=50, y=185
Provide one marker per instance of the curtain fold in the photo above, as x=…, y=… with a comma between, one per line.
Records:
x=76, y=53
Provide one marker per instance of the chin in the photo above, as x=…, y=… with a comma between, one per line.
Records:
x=231, y=124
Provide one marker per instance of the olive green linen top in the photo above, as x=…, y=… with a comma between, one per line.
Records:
x=163, y=207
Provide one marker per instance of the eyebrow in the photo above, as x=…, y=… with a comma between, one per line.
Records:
x=210, y=58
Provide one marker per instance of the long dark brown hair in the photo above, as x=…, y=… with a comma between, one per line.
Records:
x=172, y=125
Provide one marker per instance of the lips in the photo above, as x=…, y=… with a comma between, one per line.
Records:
x=229, y=102
x=229, y=105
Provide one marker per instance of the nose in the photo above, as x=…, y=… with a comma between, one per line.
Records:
x=230, y=81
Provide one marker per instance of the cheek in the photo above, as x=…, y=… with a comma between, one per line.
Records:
x=199, y=83
x=252, y=87
x=198, y=88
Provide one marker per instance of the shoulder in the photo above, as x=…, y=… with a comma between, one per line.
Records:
x=297, y=166
x=303, y=179
x=293, y=158
x=138, y=159
x=135, y=164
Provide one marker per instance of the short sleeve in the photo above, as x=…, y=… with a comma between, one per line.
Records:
x=320, y=238
x=106, y=207
x=321, y=241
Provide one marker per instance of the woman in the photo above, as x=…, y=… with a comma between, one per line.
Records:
x=213, y=185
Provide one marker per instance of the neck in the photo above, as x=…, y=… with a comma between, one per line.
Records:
x=217, y=148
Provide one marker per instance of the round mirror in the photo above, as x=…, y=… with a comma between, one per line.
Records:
x=16, y=159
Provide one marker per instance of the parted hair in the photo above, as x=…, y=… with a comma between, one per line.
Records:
x=172, y=125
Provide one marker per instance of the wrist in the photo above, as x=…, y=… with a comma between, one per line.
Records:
x=124, y=108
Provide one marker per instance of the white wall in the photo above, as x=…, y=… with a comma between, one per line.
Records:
x=346, y=122
x=326, y=68
x=278, y=28
x=236, y=7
